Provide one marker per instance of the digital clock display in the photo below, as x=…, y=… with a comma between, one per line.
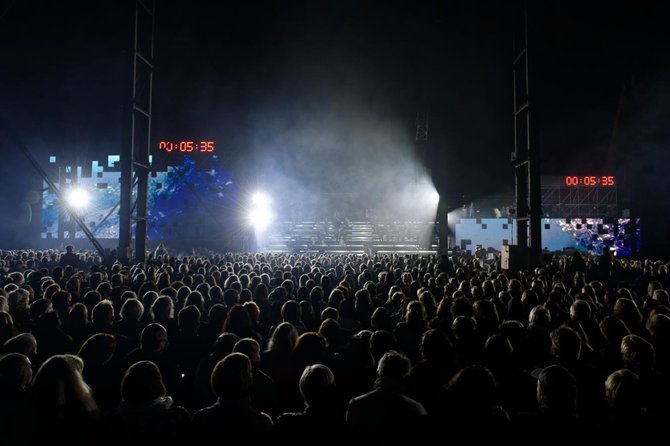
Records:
x=589, y=180
x=186, y=146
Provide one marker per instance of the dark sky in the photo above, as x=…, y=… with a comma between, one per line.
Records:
x=305, y=87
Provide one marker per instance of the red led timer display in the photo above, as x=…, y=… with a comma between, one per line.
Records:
x=589, y=180
x=186, y=146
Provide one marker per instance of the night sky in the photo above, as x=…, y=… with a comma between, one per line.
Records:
x=298, y=87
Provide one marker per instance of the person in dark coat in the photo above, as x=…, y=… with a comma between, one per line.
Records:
x=232, y=380
x=323, y=411
x=147, y=415
x=15, y=376
x=373, y=416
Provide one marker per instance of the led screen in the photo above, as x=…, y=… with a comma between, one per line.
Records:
x=185, y=201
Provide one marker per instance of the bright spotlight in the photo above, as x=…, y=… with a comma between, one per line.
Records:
x=260, y=199
x=261, y=218
x=434, y=197
x=77, y=198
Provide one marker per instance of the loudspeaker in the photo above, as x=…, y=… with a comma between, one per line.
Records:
x=511, y=257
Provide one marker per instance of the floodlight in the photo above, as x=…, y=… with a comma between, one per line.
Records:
x=261, y=218
x=77, y=198
x=434, y=197
x=260, y=199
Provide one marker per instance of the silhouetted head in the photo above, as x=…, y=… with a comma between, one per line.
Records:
x=623, y=390
x=142, y=383
x=15, y=371
x=637, y=354
x=317, y=386
x=557, y=389
x=249, y=347
x=394, y=366
x=98, y=349
x=232, y=377
x=472, y=387
x=436, y=346
x=154, y=338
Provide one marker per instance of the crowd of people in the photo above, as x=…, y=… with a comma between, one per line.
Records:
x=328, y=347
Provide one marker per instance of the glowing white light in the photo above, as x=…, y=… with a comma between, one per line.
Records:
x=77, y=198
x=261, y=218
x=260, y=199
x=434, y=197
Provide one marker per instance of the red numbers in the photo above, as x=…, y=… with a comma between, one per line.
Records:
x=168, y=146
x=165, y=145
x=206, y=146
x=186, y=146
x=589, y=181
x=571, y=181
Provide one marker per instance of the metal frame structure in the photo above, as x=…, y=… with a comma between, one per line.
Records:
x=574, y=202
x=135, y=154
x=421, y=145
x=421, y=127
x=424, y=166
x=525, y=157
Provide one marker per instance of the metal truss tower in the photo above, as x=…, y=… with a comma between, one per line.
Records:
x=421, y=144
x=525, y=157
x=135, y=153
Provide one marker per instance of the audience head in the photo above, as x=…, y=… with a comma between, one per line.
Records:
x=98, y=349
x=310, y=348
x=24, y=343
x=188, y=319
x=330, y=313
x=103, y=313
x=154, y=338
x=557, y=389
x=225, y=343
x=637, y=354
x=626, y=310
x=539, y=315
x=613, y=329
x=142, y=383
x=436, y=346
x=283, y=338
x=15, y=372
x=317, y=386
x=59, y=389
x=291, y=312
x=131, y=310
x=162, y=308
x=472, y=387
x=566, y=344
x=623, y=390
x=249, y=347
x=232, y=377
x=393, y=366
x=381, y=342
